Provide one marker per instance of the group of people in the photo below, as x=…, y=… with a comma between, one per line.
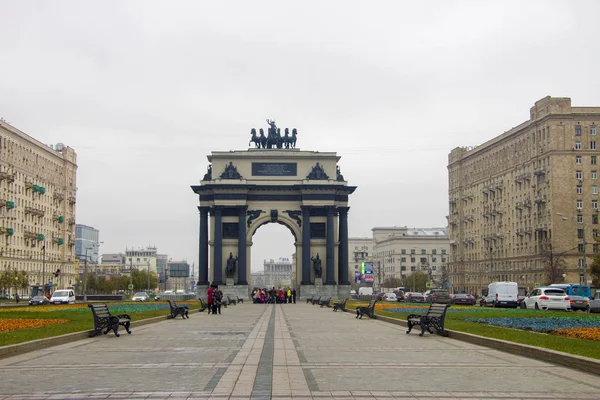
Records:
x=272, y=296
x=214, y=298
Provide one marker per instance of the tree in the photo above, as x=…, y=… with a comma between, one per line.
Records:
x=441, y=280
x=418, y=278
x=595, y=271
x=392, y=282
x=554, y=264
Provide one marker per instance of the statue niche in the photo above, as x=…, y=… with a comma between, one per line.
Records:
x=317, y=266
x=230, y=268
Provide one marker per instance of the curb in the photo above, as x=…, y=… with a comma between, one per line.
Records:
x=21, y=348
x=580, y=363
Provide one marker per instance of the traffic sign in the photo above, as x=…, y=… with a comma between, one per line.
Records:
x=130, y=286
x=537, y=284
x=428, y=284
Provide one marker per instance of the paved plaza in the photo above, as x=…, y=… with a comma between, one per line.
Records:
x=285, y=351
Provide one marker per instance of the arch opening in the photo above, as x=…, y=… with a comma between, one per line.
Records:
x=273, y=241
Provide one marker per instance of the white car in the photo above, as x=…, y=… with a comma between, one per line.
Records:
x=547, y=298
x=140, y=296
x=390, y=297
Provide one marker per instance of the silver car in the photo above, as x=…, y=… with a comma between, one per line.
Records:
x=547, y=298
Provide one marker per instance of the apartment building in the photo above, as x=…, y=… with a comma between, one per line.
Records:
x=37, y=208
x=399, y=252
x=525, y=198
x=142, y=258
x=359, y=250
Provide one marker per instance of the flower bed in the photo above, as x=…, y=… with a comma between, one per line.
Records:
x=546, y=324
x=13, y=324
x=579, y=333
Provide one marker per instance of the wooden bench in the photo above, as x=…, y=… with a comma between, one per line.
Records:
x=309, y=299
x=103, y=319
x=229, y=301
x=434, y=318
x=325, y=303
x=340, y=305
x=240, y=300
x=203, y=304
x=369, y=310
x=316, y=301
x=178, y=310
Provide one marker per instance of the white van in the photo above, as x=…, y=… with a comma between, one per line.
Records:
x=63, y=296
x=365, y=291
x=502, y=294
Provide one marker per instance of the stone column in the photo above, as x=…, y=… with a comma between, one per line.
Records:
x=242, y=278
x=330, y=246
x=203, y=247
x=343, y=254
x=305, y=245
x=218, y=247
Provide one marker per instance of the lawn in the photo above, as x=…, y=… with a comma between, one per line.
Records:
x=569, y=332
x=25, y=323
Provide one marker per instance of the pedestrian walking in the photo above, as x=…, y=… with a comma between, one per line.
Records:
x=217, y=300
x=294, y=295
x=17, y=298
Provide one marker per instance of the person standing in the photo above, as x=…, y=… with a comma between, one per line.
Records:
x=288, y=297
x=17, y=298
x=294, y=295
x=209, y=297
x=217, y=300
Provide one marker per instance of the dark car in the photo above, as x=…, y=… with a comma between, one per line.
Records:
x=38, y=300
x=399, y=294
x=413, y=297
x=579, y=303
x=438, y=296
x=464, y=298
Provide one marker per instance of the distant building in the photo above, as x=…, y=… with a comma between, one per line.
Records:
x=359, y=250
x=143, y=258
x=161, y=265
x=277, y=272
x=398, y=252
x=87, y=237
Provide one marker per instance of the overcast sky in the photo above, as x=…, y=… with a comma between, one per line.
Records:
x=145, y=90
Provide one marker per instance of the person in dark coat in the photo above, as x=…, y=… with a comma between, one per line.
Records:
x=294, y=295
x=209, y=297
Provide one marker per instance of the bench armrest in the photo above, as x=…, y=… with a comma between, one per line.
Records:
x=416, y=316
x=123, y=316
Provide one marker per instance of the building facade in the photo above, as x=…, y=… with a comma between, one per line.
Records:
x=277, y=273
x=526, y=199
x=37, y=208
x=399, y=252
x=179, y=275
x=143, y=258
x=359, y=250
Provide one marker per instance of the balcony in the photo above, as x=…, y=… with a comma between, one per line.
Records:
x=33, y=235
x=539, y=171
x=452, y=222
x=540, y=199
x=528, y=231
x=519, y=178
x=59, y=218
x=28, y=185
x=467, y=218
x=71, y=242
x=541, y=228
x=34, y=211
x=5, y=175
x=58, y=196
x=71, y=221
x=527, y=203
x=7, y=231
x=486, y=189
x=521, y=231
x=519, y=205
x=526, y=176
x=72, y=200
x=452, y=201
x=499, y=186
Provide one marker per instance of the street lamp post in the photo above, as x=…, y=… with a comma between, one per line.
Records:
x=93, y=246
x=44, y=264
x=584, y=264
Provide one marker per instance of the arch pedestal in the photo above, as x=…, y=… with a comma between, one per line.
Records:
x=247, y=189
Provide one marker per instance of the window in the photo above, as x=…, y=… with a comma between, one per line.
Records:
x=595, y=233
x=403, y=251
x=423, y=260
x=412, y=268
x=594, y=162
x=594, y=189
x=423, y=251
x=577, y=130
x=579, y=219
x=412, y=251
x=595, y=204
x=403, y=259
x=443, y=252
x=580, y=204
x=593, y=145
x=580, y=247
x=403, y=268
x=434, y=251
x=579, y=189
x=593, y=130
x=578, y=175
x=595, y=248
x=578, y=160
x=595, y=219
x=433, y=259
x=434, y=268
x=577, y=145
x=579, y=233
x=594, y=175
x=412, y=259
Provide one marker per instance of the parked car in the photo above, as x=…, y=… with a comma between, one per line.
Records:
x=413, y=297
x=464, y=298
x=594, y=304
x=140, y=296
x=579, y=303
x=399, y=294
x=390, y=297
x=520, y=303
x=438, y=296
x=502, y=294
x=548, y=298
x=39, y=300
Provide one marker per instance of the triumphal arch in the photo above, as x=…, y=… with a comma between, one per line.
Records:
x=274, y=182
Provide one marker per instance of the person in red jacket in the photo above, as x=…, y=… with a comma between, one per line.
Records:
x=209, y=297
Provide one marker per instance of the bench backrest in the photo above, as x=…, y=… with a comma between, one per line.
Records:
x=372, y=304
x=99, y=310
x=172, y=303
x=437, y=310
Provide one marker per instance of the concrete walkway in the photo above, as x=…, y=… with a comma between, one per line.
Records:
x=284, y=351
